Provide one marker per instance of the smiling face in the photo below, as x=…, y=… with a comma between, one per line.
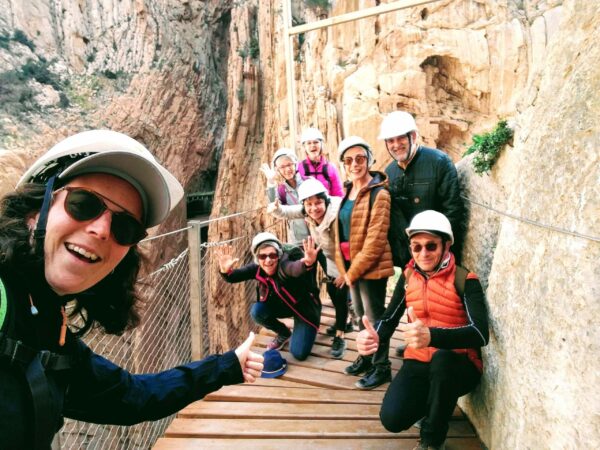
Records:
x=77, y=255
x=286, y=167
x=313, y=149
x=398, y=146
x=268, y=259
x=427, y=259
x=356, y=170
x=315, y=208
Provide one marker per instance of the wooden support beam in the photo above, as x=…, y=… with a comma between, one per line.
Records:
x=355, y=15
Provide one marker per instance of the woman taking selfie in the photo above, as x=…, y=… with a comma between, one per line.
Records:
x=69, y=233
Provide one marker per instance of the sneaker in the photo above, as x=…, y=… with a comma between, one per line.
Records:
x=424, y=446
x=278, y=342
x=374, y=378
x=359, y=366
x=338, y=347
x=332, y=329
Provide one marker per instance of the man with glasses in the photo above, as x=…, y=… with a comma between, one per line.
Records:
x=444, y=334
x=286, y=288
x=420, y=178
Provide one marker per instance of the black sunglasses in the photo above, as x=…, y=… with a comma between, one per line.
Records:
x=83, y=205
x=430, y=247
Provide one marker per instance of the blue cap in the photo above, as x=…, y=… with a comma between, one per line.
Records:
x=274, y=364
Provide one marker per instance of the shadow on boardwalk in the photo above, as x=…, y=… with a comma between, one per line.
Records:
x=313, y=406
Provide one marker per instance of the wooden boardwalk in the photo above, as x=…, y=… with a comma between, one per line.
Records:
x=314, y=405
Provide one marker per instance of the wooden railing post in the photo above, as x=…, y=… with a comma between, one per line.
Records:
x=196, y=319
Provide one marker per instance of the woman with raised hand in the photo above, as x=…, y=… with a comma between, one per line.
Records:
x=321, y=213
x=286, y=288
x=363, y=254
x=69, y=233
x=284, y=164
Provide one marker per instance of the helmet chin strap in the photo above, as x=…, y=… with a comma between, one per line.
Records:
x=40, y=230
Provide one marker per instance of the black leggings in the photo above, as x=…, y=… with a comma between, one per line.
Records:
x=339, y=297
x=428, y=390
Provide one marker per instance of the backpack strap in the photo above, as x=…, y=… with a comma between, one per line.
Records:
x=326, y=173
x=460, y=277
x=281, y=194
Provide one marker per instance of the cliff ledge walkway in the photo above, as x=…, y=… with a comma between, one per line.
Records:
x=314, y=405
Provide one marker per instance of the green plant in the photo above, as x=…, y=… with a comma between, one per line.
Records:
x=38, y=70
x=487, y=147
x=253, y=48
x=4, y=40
x=240, y=93
x=323, y=4
x=20, y=36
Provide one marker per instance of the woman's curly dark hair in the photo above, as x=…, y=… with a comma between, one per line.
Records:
x=113, y=303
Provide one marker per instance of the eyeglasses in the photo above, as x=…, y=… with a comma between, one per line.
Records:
x=83, y=205
x=358, y=158
x=285, y=166
x=430, y=247
x=271, y=256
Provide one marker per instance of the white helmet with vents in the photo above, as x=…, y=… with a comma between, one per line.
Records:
x=431, y=222
x=397, y=123
x=106, y=151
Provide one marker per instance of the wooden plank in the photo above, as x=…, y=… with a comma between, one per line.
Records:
x=286, y=428
x=249, y=393
x=309, y=444
x=313, y=411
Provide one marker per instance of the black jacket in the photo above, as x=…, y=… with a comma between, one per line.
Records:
x=91, y=388
x=292, y=286
x=430, y=181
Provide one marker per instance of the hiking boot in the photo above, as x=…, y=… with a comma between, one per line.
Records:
x=375, y=377
x=278, y=342
x=424, y=446
x=400, y=350
x=332, y=329
x=338, y=347
x=359, y=366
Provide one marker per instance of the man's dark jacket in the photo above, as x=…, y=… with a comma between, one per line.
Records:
x=429, y=181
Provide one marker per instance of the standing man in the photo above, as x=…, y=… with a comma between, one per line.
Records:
x=316, y=165
x=420, y=178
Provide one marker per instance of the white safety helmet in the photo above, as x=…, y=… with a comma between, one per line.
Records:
x=284, y=152
x=310, y=187
x=432, y=222
x=397, y=123
x=354, y=141
x=265, y=238
x=311, y=134
x=105, y=151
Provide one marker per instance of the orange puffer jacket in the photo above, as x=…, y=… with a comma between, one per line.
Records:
x=370, y=251
x=437, y=304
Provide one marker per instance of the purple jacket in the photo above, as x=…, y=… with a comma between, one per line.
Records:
x=325, y=172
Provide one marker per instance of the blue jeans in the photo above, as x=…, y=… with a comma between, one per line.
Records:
x=303, y=336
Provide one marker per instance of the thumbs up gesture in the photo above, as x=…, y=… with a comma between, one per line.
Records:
x=367, y=341
x=251, y=363
x=415, y=333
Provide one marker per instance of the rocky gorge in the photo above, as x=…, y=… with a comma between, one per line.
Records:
x=202, y=84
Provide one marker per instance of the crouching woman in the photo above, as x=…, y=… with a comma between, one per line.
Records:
x=286, y=288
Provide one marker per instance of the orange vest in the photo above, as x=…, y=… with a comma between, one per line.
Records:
x=436, y=303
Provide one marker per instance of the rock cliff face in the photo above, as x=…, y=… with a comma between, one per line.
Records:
x=203, y=85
